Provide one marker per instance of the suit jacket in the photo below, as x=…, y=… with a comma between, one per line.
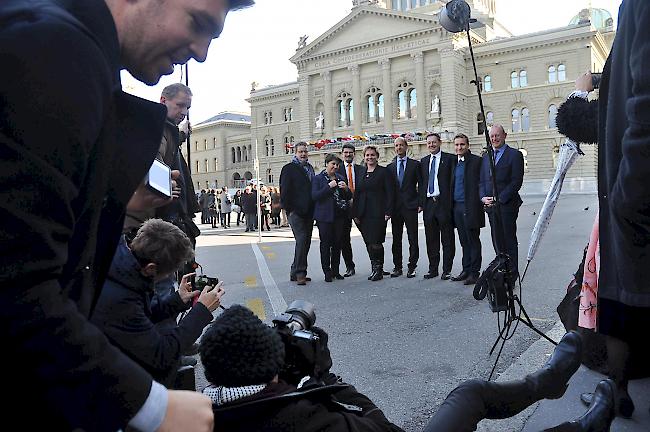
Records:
x=64, y=188
x=323, y=196
x=358, y=172
x=444, y=173
x=406, y=195
x=624, y=161
x=474, y=214
x=373, y=196
x=510, y=177
x=295, y=190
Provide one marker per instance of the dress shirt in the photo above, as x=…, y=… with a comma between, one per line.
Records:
x=405, y=159
x=498, y=153
x=436, y=189
x=461, y=158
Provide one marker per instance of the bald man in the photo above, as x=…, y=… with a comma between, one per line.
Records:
x=509, y=178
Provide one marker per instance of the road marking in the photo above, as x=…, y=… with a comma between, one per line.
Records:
x=250, y=281
x=257, y=306
x=266, y=247
x=270, y=255
x=278, y=304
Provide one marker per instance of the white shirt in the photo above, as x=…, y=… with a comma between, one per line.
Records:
x=435, y=158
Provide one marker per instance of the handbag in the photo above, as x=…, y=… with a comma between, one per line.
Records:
x=236, y=208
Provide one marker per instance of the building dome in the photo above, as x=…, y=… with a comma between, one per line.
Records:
x=599, y=18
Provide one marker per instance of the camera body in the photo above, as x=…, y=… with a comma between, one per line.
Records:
x=301, y=345
x=202, y=281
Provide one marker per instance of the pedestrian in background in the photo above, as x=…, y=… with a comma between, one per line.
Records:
x=237, y=207
x=226, y=207
x=249, y=206
x=265, y=207
x=276, y=207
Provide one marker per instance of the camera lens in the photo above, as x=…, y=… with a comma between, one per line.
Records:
x=303, y=315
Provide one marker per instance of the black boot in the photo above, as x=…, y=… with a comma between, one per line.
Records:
x=600, y=414
x=377, y=271
x=550, y=382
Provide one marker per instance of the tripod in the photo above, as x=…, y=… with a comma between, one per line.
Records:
x=455, y=17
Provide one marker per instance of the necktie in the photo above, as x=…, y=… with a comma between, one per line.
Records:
x=350, y=179
x=496, y=155
x=432, y=174
x=400, y=171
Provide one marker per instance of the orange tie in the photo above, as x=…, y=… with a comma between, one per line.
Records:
x=350, y=179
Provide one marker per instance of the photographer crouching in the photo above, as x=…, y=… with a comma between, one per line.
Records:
x=254, y=371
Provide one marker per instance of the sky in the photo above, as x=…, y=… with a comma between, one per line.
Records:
x=256, y=45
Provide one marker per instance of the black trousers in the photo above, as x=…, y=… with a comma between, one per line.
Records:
x=437, y=229
x=346, y=243
x=398, y=220
x=330, y=244
x=470, y=241
x=225, y=219
x=509, y=216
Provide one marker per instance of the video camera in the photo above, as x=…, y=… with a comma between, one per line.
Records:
x=305, y=350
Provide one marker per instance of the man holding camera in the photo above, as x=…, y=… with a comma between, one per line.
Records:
x=127, y=309
x=75, y=149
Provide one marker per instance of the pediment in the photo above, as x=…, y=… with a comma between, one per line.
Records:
x=366, y=27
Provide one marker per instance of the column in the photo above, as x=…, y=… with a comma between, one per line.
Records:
x=387, y=91
x=330, y=117
x=305, y=118
x=421, y=121
x=223, y=155
x=452, y=67
x=356, y=96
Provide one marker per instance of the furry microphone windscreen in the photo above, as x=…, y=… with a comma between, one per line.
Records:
x=577, y=119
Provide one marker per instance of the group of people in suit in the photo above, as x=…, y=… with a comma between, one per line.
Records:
x=450, y=190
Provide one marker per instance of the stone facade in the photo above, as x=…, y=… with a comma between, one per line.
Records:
x=423, y=74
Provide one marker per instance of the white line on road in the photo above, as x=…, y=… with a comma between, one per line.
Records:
x=278, y=303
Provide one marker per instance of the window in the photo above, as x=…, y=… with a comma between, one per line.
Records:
x=272, y=147
x=205, y=164
x=288, y=114
x=267, y=147
x=514, y=79
x=345, y=107
x=232, y=152
x=214, y=143
x=479, y=124
x=370, y=109
x=552, y=114
x=407, y=101
x=523, y=78
x=196, y=146
x=380, y=107
x=374, y=105
x=525, y=120
x=215, y=164
x=414, y=4
x=244, y=153
x=516, y=121
x=269, y=175
x=238, y=154
x=268, y=117
x=561, y=72
x=487, y=83
x=552, y=74
x=198, y=166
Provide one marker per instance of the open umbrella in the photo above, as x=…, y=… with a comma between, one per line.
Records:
x=569, y=152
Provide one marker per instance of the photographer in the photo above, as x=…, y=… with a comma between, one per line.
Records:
x=127, y=309
x=331, y=197
x=253, y=389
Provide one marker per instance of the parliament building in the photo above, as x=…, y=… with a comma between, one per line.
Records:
x=388, y=67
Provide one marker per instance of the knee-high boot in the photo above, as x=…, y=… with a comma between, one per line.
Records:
x=378, y=262
x=373, y=265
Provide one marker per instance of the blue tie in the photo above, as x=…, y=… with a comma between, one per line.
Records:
x=400, y=172
x=432, y=174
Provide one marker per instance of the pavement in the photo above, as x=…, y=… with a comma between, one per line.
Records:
x=407, y=342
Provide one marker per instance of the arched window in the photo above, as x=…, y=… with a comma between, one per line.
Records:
x=272, y=147
x=561, y=72
x=479, y=124
x=489, y=118
x=238, y=154
x=267, y=147
x=370, y=109
x=525, y=120
x=552, y=114
x=216, y=163
x=487, y=83
x=380, y=107
x=401, y=98
x=413, y=103
x=198, y=166
x=245, y=152
x=514, y=79
x=552, y=74
x=232, y=153
x=516, y=121
x=207, y=167
x=345, y=107
x=523, y=78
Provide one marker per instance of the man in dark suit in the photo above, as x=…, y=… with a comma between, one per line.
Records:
x=469, y=217
x=350, y=171
x=436, y=202
x=295, y=197
x=406, y=175
x=509, y=178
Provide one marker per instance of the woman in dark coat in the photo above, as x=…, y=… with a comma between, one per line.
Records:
x=237, y=202
x=330, y=194
x=373, y=206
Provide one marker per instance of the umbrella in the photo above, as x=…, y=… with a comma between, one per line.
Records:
x=569, y=152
